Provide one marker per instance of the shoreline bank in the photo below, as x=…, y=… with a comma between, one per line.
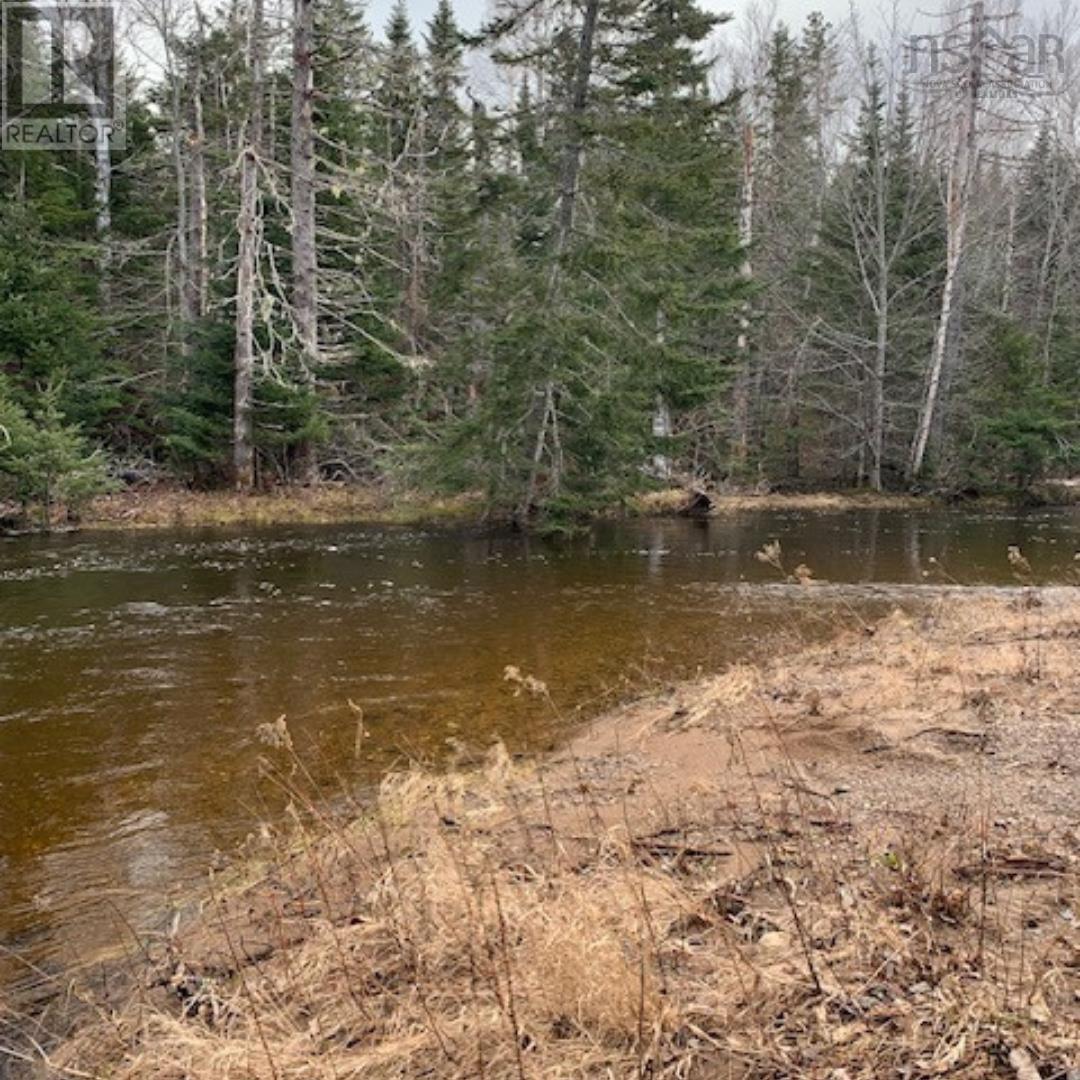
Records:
x=178, y=508
x=852, y=859
x=173, y=508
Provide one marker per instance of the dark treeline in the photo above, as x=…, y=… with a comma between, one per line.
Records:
x=601, y=246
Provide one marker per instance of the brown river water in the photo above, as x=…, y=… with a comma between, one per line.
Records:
x=134, y=668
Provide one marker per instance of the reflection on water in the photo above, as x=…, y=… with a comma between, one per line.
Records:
x=134, y=668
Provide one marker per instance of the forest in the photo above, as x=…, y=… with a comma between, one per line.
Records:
x=592, y=248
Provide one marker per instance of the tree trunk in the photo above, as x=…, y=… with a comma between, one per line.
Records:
x=662, y=427
x=569, y=172
x=1010, y=258
x=881, y=314
x=742, y=403
x=570, y=165
x=416, y=245
x=183, y=223
x=1048, y=331
x=103, y=210
x=662, y=431
x=304, y=258
x=877, y=391
x=197, y=218
x=962, y=167
x=102, y=152
x=249, y=230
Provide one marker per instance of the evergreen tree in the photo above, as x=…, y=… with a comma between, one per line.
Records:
x=399, y=93
x=638, y=309
x=526, y=128
x=790, y=189
x=1020, y=424
x=444, y=122
x=450, y=190
x=48, y=312
x=541, y=293
x=667, y=215
x=44, y=461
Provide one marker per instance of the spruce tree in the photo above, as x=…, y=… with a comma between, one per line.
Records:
x=399, y=91
x=591, y=336
x=668, y=221
x=444, y=123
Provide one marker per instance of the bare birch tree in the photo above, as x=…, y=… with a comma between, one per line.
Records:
x=249, y=233
x=198, y=217
x=962, y=165
x=305, y=302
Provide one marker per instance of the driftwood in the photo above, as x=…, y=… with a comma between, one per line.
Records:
x=1013, y=866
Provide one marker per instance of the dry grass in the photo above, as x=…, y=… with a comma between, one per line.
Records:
x=855, y=862
x=324, y=505
x=1064, y=491
x=158, y=507
x=161, y=506
x=675, y=500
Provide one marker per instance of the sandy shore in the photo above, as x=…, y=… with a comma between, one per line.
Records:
x=858, y=860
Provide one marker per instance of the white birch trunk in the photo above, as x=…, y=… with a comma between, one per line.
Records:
x=1010, y=258
x=249, y=229
x=198, y=244
x=962, y=168
x=742, y=402
x=183, y=283
x=103, y=209
x=304, y=255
